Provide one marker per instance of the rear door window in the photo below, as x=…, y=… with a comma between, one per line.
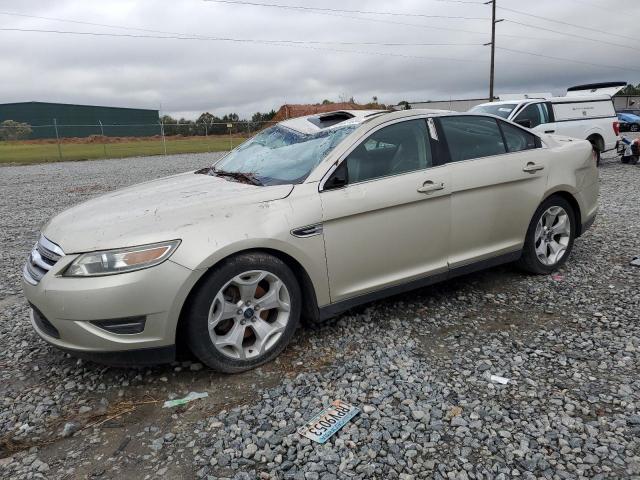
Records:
x=471, y=137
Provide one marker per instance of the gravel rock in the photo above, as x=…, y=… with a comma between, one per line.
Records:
x=69, y=429
x=417, y=365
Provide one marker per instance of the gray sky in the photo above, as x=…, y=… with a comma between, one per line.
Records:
x=188, y=77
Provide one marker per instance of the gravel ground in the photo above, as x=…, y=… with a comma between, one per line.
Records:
x=417, y=365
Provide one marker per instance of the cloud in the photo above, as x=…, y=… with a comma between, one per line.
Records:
x=188, y=77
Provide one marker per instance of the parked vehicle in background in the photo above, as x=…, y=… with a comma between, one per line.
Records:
x=632, y=111
x=587, y=112
x=629, y=122
x=629, y=150
x=307, y=219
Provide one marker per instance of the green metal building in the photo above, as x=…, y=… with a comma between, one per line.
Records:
x=81, y=120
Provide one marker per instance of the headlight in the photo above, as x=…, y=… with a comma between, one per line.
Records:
x=109, y=262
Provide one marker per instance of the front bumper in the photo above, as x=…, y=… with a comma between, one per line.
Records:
x=69, y=305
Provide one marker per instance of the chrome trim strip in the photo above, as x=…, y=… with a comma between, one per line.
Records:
x=49, y=245
x=37, y=260
x=27, y=276
x=308, y=231
x=44, y=255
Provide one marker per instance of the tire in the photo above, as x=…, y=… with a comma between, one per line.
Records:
x=246, y=334
x=535, y=248
x=634, y=127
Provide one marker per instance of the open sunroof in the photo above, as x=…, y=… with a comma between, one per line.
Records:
x=329, y=119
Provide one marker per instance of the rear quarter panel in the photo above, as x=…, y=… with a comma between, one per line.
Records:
x=572, y=169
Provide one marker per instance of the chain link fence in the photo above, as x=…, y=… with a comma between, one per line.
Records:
x=22, y=143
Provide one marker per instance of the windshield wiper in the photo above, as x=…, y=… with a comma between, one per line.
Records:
x=241, y=177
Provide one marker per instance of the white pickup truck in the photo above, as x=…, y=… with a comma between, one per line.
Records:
x=586, y=112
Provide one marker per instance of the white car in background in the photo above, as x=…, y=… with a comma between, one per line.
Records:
x=587, y=113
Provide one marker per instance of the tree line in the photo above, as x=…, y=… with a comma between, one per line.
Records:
x=12, y=130
x=209, y=124
x=630, y=90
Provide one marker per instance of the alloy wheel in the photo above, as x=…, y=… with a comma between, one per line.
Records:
x=552, y=236
x=249, y=314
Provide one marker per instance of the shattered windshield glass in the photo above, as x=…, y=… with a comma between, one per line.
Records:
x=280, y=155
x=501, y=110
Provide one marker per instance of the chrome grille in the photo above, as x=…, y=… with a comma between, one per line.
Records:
x=45, y=254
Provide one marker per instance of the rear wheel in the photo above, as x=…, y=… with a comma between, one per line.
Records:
x=550, y=236
x=634, y=127
x=244, y=313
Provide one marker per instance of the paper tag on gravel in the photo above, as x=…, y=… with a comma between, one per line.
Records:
x=322, y=426
x=497, y=379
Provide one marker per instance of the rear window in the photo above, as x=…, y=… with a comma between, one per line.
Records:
x=500, y=110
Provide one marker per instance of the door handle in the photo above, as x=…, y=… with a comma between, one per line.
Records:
x=429, y=186
x=532, y=168
x=549, y=131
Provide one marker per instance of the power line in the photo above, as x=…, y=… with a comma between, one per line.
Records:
x=567, y=59
x=301, y=44
x=341, y=10
x=282, y=43
x=376, y=20
x=537, y=27
x=366, y=19
x=433, y=27
x=79, y=22
x=244, y=40
x=459, y=1
x=520, y=12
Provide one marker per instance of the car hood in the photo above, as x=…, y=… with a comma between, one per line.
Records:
x=153, y=211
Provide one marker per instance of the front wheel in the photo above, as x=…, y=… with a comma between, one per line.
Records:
x=550, y=236
x=244, y=313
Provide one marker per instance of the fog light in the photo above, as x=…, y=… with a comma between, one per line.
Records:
x=122, y=326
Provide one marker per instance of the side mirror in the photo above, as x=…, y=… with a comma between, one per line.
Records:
x=525, y=122
x=339, y=178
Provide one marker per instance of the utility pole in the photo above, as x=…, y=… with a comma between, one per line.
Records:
x=493, y=46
